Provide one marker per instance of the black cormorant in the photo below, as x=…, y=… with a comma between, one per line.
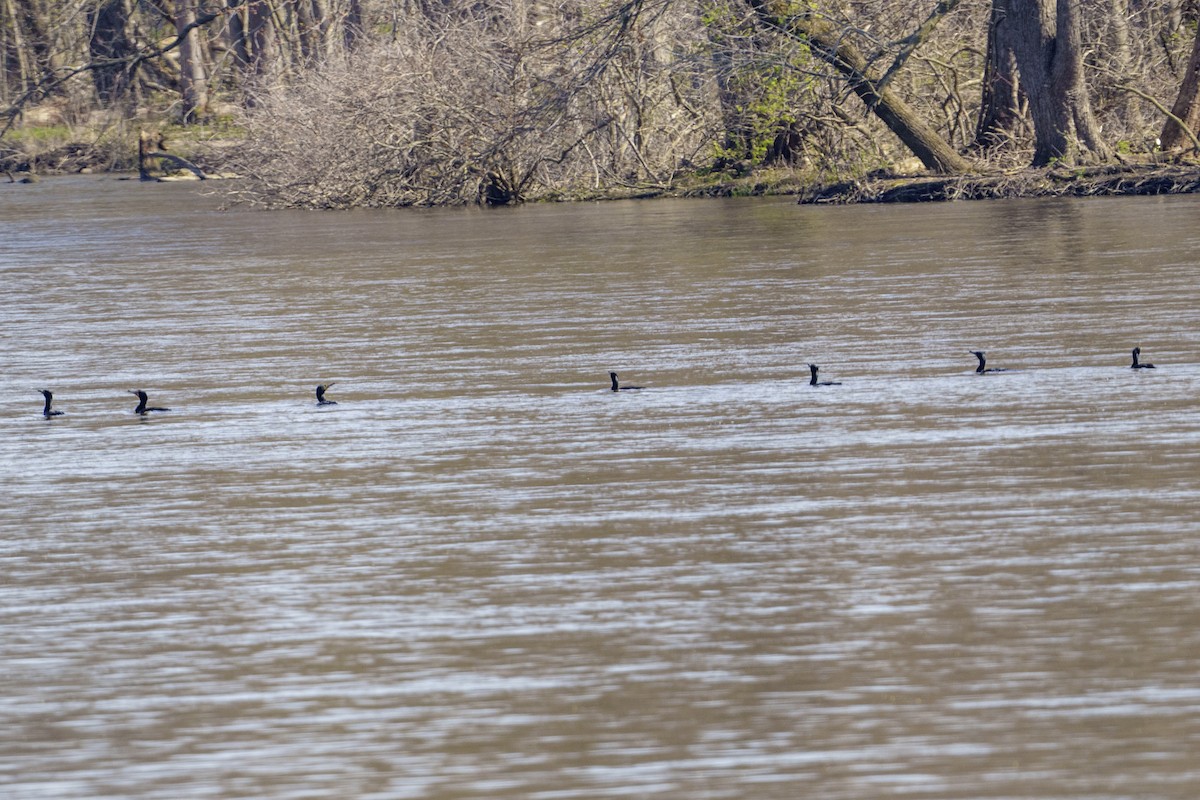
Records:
x=141, y=406
x=1137, y=351
x=616, y=387
x=983, y=367
x=46, y=412
x=813, y=368
x=321, y=401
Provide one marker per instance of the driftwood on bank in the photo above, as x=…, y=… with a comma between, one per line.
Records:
x=1114, y=179
x=153, y=145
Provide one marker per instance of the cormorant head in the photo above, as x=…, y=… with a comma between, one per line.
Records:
x=321, y=389
x=46, y=393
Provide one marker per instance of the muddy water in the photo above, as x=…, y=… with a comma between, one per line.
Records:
x=483, y=575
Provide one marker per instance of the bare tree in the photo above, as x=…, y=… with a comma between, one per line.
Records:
x=1049, y=54
x=260, y=36
x=193, y=83
x=1000, y=99
x=353, y=29
x=111, y=49
x=27, y=47
x=1185, y=113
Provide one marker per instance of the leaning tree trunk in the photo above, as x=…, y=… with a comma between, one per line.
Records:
x=828, y=43
x=1049, y=53
x=1187, y=105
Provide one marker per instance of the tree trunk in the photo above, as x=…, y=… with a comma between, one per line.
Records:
x=235, y=35
x=352, y=30
x=829, y=43
x=1119, y=51
x=108, y=44
x=13, y=51
x=1187, y=105
x=309, y=24
x=1049, y=56
x=1068, y=74
x=193, y=86
x=1000, y=102
x=258, y=32
x=29, y=24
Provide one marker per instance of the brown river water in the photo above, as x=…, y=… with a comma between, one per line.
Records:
x=482, y=574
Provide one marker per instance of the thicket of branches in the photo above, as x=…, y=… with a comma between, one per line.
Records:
x=514, y=99
x=491, y=107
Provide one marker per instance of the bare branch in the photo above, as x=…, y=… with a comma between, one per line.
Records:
x=911, y=42
x=48, y=82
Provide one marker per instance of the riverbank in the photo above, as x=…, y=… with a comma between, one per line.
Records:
x=1104, y=180
x=32, y=152
x=41, y=152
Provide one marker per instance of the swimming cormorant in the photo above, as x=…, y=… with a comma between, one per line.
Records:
x=141, y=406
x=813, y=368
x=46, y=412
x=321, y=401
x=616, y=387
x=982, y=368
x=1137, y=351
